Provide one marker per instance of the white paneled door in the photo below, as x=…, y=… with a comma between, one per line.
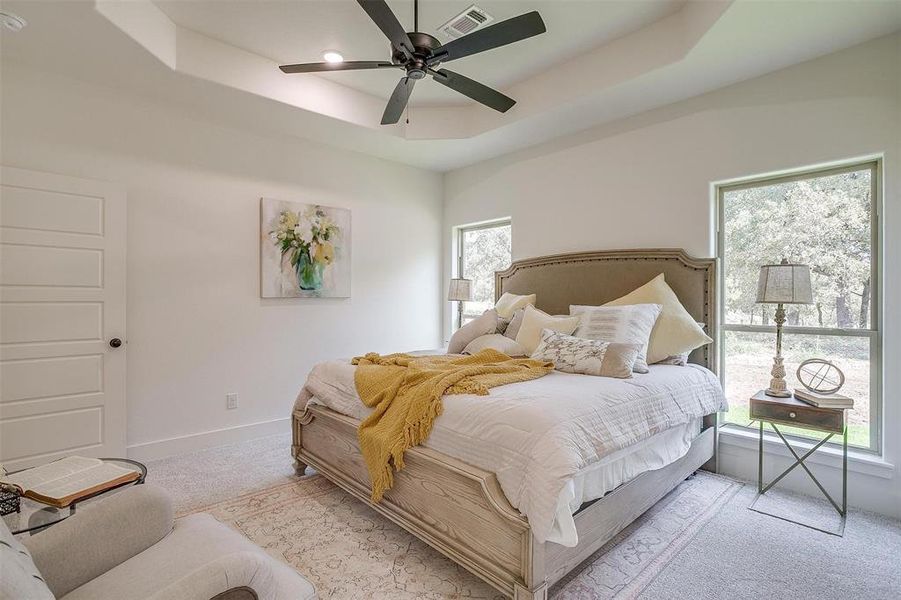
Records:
x=62, y=317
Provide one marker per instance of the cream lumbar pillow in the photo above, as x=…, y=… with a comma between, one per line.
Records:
x=534, y=321
x=482, y=325
x=509, y=303
x=676, y=331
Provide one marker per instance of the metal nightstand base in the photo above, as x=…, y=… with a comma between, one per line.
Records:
x=799, y=460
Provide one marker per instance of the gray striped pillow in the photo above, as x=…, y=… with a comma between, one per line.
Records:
x=630, y=324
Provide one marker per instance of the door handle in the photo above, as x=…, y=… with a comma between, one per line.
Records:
x=115, y=343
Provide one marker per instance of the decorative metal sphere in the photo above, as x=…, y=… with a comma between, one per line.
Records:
x=820, y=376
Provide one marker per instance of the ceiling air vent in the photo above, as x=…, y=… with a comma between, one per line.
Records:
x=466, y=22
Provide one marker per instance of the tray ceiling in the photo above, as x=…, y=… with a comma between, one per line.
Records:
x=292, y=32
x=650, y=58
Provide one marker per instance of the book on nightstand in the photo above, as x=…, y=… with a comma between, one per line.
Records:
x=824, y=400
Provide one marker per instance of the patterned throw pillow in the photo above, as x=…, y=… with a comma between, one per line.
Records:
x=586, y=357
x=629, y=324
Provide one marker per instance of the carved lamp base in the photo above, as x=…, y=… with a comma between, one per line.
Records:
x=778, y=388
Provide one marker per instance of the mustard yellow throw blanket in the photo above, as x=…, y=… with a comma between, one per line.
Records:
x=406, y=393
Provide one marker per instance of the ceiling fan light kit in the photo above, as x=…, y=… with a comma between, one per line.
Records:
x=332, y=56
x=420, y=54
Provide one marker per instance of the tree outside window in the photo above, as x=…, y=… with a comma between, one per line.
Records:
x=826, y=220
x=483, y=249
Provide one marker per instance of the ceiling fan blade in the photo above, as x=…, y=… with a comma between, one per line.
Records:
x=501, y=34
x=398, y=101
x=349, y=65
x=475, y=90
x=380, y=12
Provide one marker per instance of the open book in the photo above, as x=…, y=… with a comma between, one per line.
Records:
x=70, y=479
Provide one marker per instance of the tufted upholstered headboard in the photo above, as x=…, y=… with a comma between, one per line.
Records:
x=594, y=278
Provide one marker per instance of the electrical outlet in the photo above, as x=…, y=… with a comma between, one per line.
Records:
x=231, y=401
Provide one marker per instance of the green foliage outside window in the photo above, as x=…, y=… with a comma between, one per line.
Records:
x=484, y=250
x=824, y=221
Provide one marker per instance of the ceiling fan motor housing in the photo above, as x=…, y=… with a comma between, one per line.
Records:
x=424, y=45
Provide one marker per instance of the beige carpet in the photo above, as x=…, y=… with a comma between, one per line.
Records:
x=672, y=553
x=349, y=551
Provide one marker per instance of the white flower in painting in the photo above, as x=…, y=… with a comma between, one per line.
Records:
x=303, y=232
x=312, y=215
x=326, y=223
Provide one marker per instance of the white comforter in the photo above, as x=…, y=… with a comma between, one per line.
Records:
x=537, y=435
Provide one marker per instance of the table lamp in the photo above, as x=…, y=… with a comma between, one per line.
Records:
x=460, y=290
x=781, y=284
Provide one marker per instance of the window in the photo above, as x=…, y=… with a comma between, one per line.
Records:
x=482, y=250
x=826, y=219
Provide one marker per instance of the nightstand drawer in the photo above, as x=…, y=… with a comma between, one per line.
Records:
x=823, y=419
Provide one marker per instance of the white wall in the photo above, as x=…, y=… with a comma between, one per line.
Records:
x=646, y=182
x=197, y=327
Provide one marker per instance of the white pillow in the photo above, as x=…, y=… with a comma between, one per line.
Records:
x=587, y=357
x=495, y=341
x=509, y=303
x=534, y=320
x=681, y=359
x=676, y=331
x=483, y=325
x=627, y=324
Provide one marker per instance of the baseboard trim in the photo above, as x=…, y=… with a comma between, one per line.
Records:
x=865, y=491
x=207, y=439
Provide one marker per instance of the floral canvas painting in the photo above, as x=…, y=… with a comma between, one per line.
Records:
x=305, y=250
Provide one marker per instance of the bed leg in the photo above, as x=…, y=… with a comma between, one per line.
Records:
x=300, y=467
x=536, y=593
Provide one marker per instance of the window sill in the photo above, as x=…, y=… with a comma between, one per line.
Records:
x=858, y=462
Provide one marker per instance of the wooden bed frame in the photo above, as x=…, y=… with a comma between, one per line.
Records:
x=459, y=509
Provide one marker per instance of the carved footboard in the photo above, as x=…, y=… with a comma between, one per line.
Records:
x=456, y=508
x=461, y=511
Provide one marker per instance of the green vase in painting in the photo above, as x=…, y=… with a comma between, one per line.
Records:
x=309, y=273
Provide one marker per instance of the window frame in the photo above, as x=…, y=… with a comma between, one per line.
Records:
x=873, y=333
x=461, y=231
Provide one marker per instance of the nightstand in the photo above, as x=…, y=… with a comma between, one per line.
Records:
x=790, y=411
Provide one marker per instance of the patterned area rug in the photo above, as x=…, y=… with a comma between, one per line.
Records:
x=349, y=551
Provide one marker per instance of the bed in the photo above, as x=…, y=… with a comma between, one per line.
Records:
x=453, y=500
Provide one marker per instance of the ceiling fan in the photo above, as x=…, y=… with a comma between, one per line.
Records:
x=420, y=54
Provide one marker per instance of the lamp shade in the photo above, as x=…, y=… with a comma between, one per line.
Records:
x=784, y=283
x=460, y=290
